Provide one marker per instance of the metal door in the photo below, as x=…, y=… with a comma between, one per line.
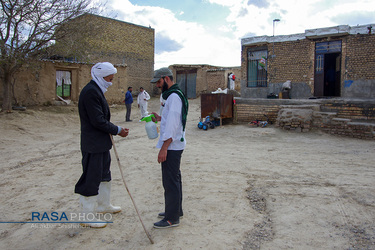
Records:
x=191, y=82
x=319, y=75
x=187, y=81
x=327, y=64
x=181, y=81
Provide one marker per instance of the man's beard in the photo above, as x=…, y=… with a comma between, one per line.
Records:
x=164, y=87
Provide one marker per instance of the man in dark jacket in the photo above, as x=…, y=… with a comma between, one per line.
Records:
x=94, y=185
x=128, y=103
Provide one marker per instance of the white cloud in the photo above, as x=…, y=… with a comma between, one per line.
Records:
x=199, y=45
x=193, y=43
x=296, y=16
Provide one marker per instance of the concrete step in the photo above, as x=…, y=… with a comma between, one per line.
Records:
x=325, y=113
x=314, y=107
x=341, y=120
x=356, y=123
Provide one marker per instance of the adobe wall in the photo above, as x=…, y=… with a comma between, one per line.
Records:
x=38, y=86
x=218, y=78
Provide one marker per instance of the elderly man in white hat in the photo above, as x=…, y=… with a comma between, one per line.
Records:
x=94, y=184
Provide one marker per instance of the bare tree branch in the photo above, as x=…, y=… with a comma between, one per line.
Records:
x=28, y=28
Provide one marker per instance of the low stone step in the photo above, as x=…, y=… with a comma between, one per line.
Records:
x=341, y=120
x=314, y=107
x=362, y=124
x=325, y=113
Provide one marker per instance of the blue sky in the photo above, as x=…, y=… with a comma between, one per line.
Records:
x=210, y=31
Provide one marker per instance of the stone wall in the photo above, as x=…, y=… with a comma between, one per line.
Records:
x=354, y=118
x=296, y=117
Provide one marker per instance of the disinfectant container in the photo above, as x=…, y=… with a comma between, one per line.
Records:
x=151, y=129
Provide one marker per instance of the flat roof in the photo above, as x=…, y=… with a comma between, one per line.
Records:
x=340, y=30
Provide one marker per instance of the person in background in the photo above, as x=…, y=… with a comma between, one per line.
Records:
x=231, y=79
x=142, y=100
x=128, y=103
x=94, y=185
x=171, y=144
x=162, y=102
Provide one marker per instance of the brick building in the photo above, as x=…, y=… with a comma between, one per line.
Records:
x=197, y=79
x=327, y=62
x=332, y=75
x=128, y=46
x=114, y=41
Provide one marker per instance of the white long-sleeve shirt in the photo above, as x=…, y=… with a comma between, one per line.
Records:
x=171, y=124
x=143, y=97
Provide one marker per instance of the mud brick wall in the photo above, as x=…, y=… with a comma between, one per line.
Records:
x=359, y=57
x=215, y=80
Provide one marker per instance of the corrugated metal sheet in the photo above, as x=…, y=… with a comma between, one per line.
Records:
x=217, y=105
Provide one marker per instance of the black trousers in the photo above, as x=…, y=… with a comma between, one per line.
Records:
x=96, y=168
x=171, y=177
x=128, y=111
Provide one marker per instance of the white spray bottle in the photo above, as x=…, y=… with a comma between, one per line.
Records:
x=150, y=126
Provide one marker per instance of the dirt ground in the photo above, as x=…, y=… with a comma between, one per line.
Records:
x=244, y=187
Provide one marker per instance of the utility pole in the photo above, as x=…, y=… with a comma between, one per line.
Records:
x=273, y=37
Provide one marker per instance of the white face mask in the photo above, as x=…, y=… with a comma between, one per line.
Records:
x=103, y=84
x=101, y=70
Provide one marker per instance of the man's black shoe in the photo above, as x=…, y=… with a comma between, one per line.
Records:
x=166, y=224
x=162, y=215
x=129, y=120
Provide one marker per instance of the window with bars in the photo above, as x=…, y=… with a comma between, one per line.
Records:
x=257, y=68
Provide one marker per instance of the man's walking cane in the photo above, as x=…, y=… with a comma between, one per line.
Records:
x=131, y=197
